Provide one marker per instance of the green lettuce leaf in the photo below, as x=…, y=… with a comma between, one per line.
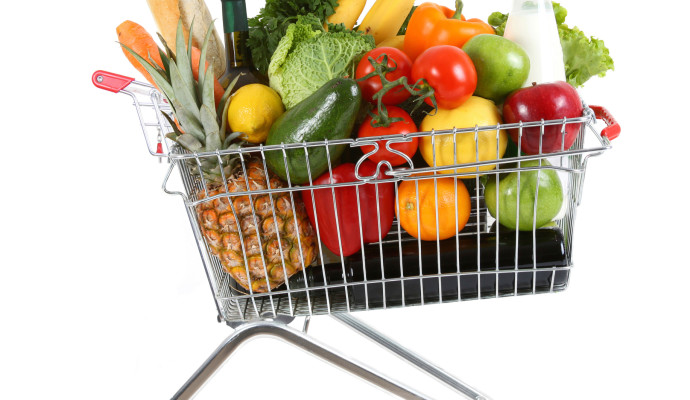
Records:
x=307, y=57
x=584, y=57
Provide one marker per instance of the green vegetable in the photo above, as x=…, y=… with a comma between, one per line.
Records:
x=403, y=28
x=270, y=25
x=330, y=113
x=308, y=57
x=498, y=20
x=584, y=57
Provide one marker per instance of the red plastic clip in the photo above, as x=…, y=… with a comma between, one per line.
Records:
x=159, y=147
x=110, y=81
x=613, y=130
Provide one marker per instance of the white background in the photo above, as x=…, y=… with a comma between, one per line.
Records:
x=102, y=293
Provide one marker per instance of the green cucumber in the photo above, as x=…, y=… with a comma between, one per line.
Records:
x=329, y=113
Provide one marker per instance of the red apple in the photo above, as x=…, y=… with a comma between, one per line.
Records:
x=547, y=101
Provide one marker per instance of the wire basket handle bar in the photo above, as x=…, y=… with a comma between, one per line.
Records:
x=613, y=129
x=145, y=97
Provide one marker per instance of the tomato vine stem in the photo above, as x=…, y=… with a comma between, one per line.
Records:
x=421, y=90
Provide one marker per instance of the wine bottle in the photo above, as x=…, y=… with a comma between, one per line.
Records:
x=238, y=56
x=489, y=264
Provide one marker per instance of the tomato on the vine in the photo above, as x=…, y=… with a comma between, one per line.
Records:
x=396, y=59
x=451, y=73
x=407, y=125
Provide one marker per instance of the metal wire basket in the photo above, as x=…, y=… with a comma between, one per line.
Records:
x=484, y=260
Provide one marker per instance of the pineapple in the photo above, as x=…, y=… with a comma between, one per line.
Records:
x=259, y=246
x=265, y=251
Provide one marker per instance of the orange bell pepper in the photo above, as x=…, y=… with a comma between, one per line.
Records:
x=434, y=25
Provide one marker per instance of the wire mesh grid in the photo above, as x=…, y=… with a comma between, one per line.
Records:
x=264, y=257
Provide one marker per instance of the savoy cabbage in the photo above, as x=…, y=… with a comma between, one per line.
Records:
x=308, y=56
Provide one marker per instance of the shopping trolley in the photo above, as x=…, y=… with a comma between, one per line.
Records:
x=484, y=260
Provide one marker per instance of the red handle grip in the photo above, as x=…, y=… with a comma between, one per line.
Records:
x=110, y=81
x=612, y=130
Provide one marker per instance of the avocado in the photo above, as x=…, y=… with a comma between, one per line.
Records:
x=329, y=113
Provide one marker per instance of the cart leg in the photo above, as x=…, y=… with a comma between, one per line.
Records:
x=296, y=338
x=409, y=356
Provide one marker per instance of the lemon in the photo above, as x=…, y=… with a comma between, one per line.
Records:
x=253, y=110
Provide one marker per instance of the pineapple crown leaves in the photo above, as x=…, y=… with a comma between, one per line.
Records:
x=193, y=102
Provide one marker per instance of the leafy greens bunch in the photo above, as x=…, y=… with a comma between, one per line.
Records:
x=583, y=57
x=270, y=25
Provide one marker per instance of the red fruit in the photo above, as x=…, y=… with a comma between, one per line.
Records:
x=396, y=59
x=396, y=128
x=547, y=101
x=451, y=73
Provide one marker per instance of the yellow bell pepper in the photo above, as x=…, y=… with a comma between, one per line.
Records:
x=474, y=112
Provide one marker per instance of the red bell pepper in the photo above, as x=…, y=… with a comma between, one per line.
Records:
x=348, y=218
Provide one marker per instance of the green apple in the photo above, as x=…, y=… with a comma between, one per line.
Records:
x=502, y=66
x=549, y=199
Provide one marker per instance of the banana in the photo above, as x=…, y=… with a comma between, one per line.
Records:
x=396, y=41
x=347, y=12
x=385, y=18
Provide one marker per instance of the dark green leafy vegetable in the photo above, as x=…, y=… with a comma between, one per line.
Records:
x=583, y=57
x=334, y=28
x=269, y=26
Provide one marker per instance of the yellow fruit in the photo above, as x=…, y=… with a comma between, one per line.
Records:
x=253, y=110
x=397, y=42
x=474, y=112
x=384, y=19
x=347, y=12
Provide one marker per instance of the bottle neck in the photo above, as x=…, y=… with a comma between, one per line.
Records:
x=236, y=28
x=235, y=16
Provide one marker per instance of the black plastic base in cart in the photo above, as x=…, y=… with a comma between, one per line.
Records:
x=411, y=273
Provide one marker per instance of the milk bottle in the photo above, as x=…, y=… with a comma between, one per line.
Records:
x=532, y=25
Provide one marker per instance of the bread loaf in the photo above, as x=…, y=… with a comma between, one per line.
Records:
x=167, y=13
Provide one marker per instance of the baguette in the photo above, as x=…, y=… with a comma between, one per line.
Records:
x=167, y=13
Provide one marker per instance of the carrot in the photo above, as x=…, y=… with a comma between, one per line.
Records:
x=138, y=39
x=218, y=90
